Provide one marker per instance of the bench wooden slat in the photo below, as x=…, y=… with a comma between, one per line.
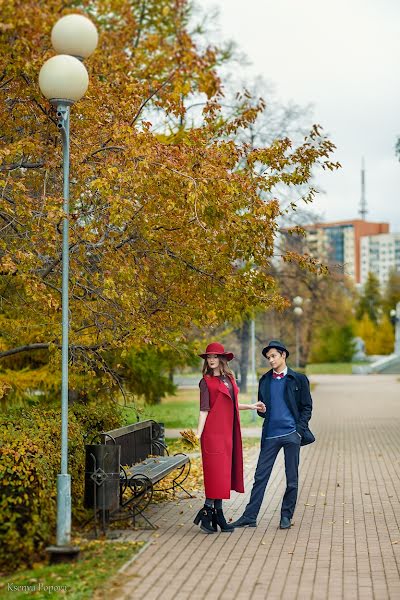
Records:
x=116, y=433
x=135, y=441
x=157, y=468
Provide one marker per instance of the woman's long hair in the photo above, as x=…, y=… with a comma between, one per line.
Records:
x=223, y=367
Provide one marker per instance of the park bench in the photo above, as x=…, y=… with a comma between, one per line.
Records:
x=144, y=463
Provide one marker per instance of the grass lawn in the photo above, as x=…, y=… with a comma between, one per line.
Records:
x=331, y=368
x=99, y=560
x=182, y=411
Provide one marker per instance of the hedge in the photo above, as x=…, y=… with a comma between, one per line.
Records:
x=29, y=464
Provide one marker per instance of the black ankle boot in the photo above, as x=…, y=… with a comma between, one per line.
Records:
x=219, y=519
x=205, y=518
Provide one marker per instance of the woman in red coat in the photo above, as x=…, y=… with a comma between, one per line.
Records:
x=220, y=438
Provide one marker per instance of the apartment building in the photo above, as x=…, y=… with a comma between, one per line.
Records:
x=339, y=243
x=380, y=254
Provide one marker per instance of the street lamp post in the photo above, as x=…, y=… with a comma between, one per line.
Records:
x=298, y=311
x=63, y=80
x=253, y=367
x=395, y=319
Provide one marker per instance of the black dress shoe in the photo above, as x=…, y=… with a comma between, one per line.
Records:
x=285, y=523
x=245, y=522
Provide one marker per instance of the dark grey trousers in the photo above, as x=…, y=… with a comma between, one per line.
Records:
x=268, y=453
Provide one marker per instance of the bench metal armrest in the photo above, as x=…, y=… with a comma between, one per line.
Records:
x=160, y=445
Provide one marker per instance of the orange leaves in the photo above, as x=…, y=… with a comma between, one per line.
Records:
x=190, y=438
x=7, y=265
x=306, y=261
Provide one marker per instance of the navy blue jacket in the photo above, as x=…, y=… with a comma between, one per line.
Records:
x=297, y=398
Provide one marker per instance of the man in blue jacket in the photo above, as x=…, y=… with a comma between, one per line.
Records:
x=288, y=406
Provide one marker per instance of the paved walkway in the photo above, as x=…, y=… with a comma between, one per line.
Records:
x=345, y=543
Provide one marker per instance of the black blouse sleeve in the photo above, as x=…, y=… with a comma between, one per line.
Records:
x=204, y=396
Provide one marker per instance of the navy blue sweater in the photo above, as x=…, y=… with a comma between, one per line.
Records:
x=281, y=421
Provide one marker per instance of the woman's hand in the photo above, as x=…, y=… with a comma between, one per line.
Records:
x=260, y=406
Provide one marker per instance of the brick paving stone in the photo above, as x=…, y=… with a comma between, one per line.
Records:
x=345, y=543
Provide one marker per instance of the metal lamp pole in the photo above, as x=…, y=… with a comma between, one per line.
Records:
x=253, y=366
x=298, y=311
x=63, y=79
x=64, y=479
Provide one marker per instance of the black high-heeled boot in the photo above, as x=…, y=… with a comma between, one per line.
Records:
x=205, y=518
x=219, y=519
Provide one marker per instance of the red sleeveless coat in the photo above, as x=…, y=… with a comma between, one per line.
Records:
x=221, y=442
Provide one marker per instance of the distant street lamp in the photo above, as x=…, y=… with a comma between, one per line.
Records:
x=395, y=319
x=297, y=311
x=253, y=367
x=63, y=80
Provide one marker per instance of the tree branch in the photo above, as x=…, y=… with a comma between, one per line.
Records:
x=22, y=165
x=141, y=107
x=45, y=346
x=57, y=261
x=27, y=348
x=115, y=148
x=141, y=19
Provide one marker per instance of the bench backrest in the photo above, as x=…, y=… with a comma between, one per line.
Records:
x=135, y=441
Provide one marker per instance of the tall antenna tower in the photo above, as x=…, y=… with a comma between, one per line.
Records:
x=363, y=204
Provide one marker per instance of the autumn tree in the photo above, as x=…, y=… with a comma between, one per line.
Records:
x=378, y=337
x=391, y=295
x=328, y=300
x=170, y=227
x=384, y=336
x=370, y=300
x=276, y=122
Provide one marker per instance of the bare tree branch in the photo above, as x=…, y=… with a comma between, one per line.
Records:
x=141, y=107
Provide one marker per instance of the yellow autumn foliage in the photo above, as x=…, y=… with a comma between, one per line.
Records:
x=172, y=221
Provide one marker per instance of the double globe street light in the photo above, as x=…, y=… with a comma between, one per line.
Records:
x=63, y=80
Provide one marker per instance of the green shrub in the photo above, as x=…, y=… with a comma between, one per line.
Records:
x=30, y=451
x=333, y=343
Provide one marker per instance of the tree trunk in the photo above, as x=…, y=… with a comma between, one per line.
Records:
x=244, y=338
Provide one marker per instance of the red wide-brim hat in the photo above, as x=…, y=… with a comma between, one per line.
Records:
x=216, y=348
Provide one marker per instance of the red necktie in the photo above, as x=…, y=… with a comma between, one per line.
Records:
x=277, y=375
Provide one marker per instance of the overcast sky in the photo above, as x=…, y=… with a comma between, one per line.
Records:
x=343, y=57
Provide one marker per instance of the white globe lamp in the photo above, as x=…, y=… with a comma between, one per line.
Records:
x=75, y=35
x=63, y=77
